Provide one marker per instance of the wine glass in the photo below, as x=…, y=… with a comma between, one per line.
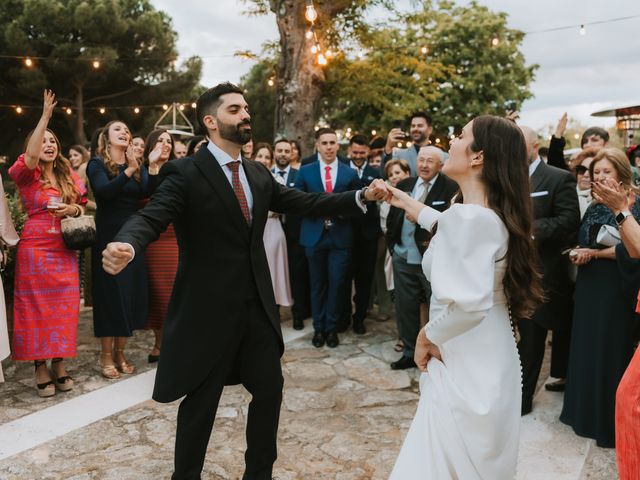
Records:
x=52, y=205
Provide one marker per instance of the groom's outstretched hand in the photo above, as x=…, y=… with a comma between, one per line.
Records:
x=116, y=256
x=376, y=191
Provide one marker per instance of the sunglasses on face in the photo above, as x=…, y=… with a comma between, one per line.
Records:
x=581, y=170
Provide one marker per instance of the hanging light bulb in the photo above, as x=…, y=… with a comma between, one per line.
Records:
x=194, y=105
x=96, y=64
x=28, y=62
x=181, y=107
x=583, y=31
x=270, y=82
x=424, y=50
x=309, y=34
x=314, y=49
x=68, y=111
x=165, y=107
x=495, y=41
x=328, y=54
x=102, y=110
x=373, y=133
x=19, y=110
x=136, y=110
x=310, y=12
x=322, y=60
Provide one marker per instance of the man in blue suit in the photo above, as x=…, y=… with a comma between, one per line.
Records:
x=298, y=268
x=366, y=231
x=327, y=241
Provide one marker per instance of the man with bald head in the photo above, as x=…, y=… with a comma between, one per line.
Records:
x=556, y=221
x=407, y=242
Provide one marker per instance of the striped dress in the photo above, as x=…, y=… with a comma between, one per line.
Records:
x=162, y=265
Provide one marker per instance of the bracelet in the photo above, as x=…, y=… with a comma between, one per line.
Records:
x=79, y=210
x=363, y=199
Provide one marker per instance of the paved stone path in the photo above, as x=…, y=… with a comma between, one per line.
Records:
x=344, y=416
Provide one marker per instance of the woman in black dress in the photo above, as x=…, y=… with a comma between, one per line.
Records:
x=605, y=298
x=119, y=182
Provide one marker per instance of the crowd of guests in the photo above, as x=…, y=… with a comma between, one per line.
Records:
x=333, y=270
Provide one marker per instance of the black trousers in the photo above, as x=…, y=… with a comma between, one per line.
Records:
x=299, y=279
x=531, y=348
x=363, y=266
x=561, y=341
x=256, y=357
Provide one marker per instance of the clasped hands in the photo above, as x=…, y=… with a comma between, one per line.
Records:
x=379, y=190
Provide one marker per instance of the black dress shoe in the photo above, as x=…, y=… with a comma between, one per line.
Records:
x=318, y=339
x=557, y=386
x=403, y=363
x=342, y=327
x=298, y=324
x=153, y=358
x=332, y=340
x=359, y=328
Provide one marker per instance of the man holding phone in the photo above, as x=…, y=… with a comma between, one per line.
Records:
x=419, y=132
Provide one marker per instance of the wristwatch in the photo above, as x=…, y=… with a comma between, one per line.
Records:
x=622, y=216
x=362, y=197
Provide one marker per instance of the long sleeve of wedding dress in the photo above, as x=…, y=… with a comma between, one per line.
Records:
x=467, y=421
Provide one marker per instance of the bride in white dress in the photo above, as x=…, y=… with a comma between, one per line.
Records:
x=480, y=263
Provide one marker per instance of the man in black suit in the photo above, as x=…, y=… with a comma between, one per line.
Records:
x=366, y=230
x=407, y=243
x=298, y=267
x=222, y=325
x=556, y=223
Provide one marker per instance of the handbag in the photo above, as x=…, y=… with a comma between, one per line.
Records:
x=78, y=233
x=608, y=236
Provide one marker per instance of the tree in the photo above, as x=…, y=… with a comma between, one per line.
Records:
x=300, y=78
x=134, y=45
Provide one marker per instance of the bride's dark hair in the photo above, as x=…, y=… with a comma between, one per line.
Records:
x=505, y=174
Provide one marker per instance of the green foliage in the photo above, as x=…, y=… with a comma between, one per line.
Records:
x=134, y=42
x=261, y=98
x=19, y=216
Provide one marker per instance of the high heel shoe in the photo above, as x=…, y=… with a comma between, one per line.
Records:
x=108, y=371
x=154, y=358
x=64, y=383
x=124, y=366
x=45, y=389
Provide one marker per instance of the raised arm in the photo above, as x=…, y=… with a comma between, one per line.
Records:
x=32, y=155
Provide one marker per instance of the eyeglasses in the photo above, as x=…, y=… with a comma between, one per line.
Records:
x=581, y=170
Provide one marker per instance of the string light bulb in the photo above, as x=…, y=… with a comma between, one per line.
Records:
x=310, y=12
x=136, y=110
x=194, y=105
x=165, y=107
x=19, y=110
x=314, y=49
x=28, y=62
x=96, y=64
x=583, y=30
x=328, y=54
x=495, y=41
x=181, y=108
x=270, y=82
x=373, y=133
x=102, y=110
x=424, y=50
x=309, y=34
x=68, y=111
x=322, y=60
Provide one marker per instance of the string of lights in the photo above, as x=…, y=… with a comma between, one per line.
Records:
x=20, y=109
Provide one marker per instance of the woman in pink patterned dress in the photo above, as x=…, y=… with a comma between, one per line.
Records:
x=47, y=289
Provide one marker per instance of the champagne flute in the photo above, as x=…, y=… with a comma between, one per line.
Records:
x=52, y=205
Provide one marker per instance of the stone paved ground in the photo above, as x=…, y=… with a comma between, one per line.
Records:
x=344, y=416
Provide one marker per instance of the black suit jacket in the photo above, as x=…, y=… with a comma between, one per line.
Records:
x=368, y=225
x=556, y=222
x=222, y=262
x=439, y=197
x=291, y=223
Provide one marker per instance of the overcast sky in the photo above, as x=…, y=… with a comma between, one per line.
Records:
x=578, y=74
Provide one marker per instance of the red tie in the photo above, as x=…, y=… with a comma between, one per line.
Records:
x=239, y=191
x=327, y=180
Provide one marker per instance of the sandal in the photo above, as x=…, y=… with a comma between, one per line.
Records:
x=64, y=383
x=108, y=371
x=45, y=389
x=154, y=358
x=399, y=346
x=124, y=366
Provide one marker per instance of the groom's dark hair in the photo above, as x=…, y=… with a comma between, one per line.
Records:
x=209, y=101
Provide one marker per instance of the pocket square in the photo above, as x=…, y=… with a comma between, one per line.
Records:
x=438, y=202
x=292, y=184
x=539, y=194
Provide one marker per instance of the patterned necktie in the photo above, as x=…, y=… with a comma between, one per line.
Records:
x=328, y=186
x=424, y=194
x=239, y=191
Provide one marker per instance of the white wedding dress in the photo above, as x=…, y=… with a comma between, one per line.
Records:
x=467, y=424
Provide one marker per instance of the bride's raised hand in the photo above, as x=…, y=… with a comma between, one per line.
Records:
x=397, y=198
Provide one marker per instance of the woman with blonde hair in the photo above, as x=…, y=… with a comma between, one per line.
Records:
x=119, y=182
x=606, y=290
x=47, y=286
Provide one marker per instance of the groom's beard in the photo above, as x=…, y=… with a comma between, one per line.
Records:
x=238, y=134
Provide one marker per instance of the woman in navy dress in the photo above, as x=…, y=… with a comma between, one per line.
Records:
x=119, y=183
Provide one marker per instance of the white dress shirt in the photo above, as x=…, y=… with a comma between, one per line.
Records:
x=418, y=188
x=360, y=170
x=533, y=165
x=281, y=179
x=224, y=159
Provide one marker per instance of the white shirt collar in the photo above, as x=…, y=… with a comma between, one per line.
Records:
x=277, y=169
x=221, y=156
x=355, y=167
x=533, y=165
x=323, y=164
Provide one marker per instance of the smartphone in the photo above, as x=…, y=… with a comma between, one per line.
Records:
x=400, y=124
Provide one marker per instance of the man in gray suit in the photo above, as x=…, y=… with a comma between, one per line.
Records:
x=419, y=133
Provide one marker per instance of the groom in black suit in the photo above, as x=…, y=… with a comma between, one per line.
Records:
x=222, y=325
x=556, y=221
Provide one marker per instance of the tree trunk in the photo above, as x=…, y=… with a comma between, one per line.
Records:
x=78, y=127
x=300, y=79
